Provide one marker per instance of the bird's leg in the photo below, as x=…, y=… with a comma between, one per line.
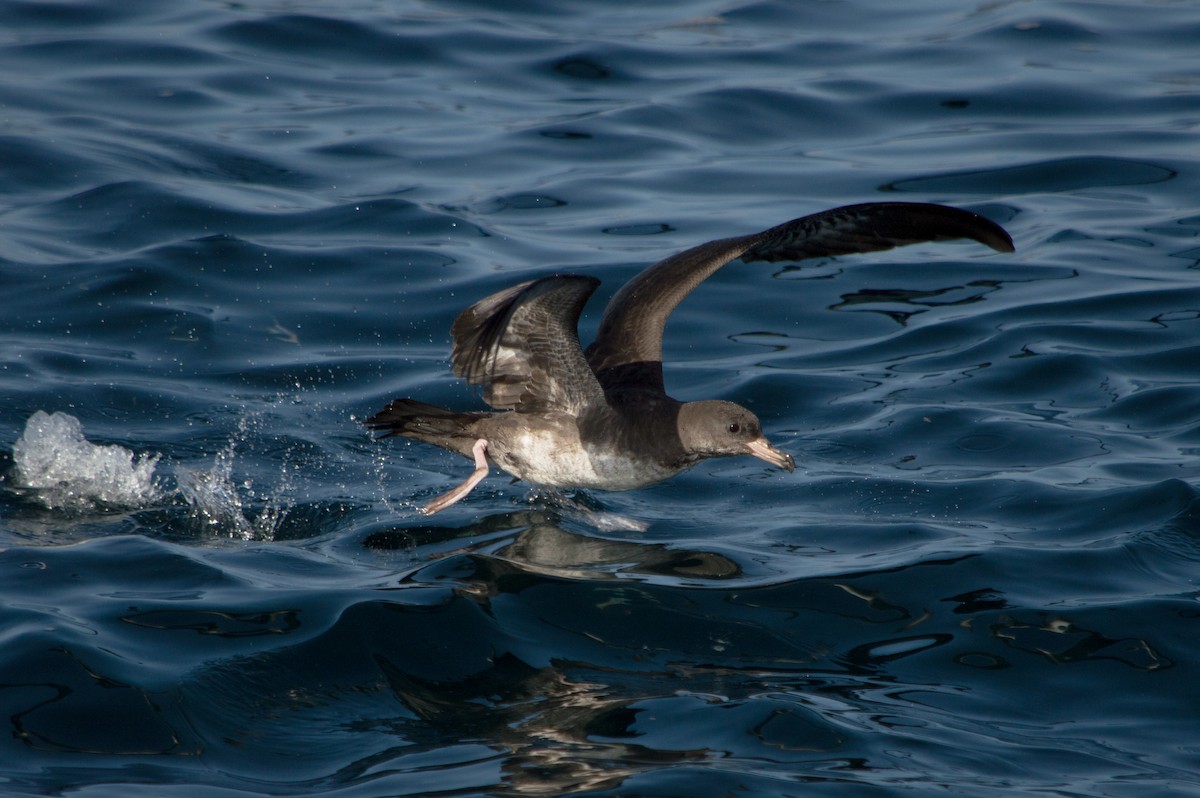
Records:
x=450, y=497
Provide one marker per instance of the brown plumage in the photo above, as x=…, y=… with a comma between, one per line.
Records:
x=603, y=419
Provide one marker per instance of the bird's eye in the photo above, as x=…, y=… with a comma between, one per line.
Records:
x=735, y=428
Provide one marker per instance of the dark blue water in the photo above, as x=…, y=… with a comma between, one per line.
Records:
x=230, y=231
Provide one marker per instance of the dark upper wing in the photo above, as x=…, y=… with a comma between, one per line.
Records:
x=628, y=347
x=522, y=345
x=871, y=227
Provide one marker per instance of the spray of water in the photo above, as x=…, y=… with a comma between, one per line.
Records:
x=62, y=470
x=223, y=505
x=57, y=464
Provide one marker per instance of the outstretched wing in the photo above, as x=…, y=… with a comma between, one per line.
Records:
x=627, y=352
x=871, y=227
x=522, y=346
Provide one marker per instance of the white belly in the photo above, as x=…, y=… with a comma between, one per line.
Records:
x=557, y=459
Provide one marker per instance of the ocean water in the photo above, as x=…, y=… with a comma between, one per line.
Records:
x=231, y=231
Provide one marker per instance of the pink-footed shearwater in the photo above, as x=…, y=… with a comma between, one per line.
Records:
x=602, y=418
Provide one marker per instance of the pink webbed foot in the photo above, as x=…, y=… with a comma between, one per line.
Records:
x=450, y=497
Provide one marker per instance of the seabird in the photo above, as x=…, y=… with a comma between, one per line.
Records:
x=601, y=418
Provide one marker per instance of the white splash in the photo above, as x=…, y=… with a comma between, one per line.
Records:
x=62, y=470
x=67, y=472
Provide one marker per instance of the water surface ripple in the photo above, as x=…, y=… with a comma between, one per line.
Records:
x=232, y=230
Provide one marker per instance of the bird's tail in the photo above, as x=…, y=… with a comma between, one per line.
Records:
x=428, y=423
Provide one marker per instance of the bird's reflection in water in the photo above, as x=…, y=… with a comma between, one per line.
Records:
x=561, y=731
x=556, y=735
x=540, y=541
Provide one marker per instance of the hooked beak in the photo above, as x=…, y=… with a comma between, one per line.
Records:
x=765, y=451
